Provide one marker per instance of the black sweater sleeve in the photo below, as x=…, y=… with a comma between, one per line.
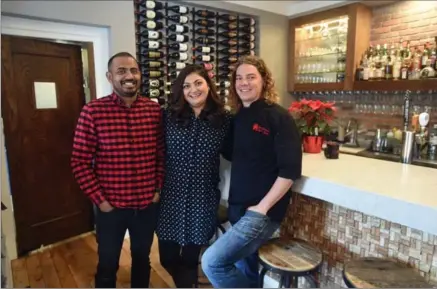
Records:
x=288, y=147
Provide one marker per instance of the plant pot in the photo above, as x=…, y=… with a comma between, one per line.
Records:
x=312, y=144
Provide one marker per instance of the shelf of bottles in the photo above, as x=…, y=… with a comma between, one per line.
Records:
x=398, y=61
x=320, y=51
x=171, y=35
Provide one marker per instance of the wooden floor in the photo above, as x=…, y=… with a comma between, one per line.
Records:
x=72, y=264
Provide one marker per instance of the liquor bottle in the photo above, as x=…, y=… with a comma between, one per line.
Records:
x=179, y=55
x=152, y=54
x=205, y=13
x=205, y=40
x=205, y=58
x=150, y=14
x=228, y=34
x=204, y=31
x=178, y=28
x=223, y=84
x=178, y=46
x=178, y=37
x=178, y=9
x=150, y=34
x=227, y=17
x=151, y=44
x=248, y=21
x=178, y=18
x=177, y=65
x=151, y=73
x=152, y=64
x=204, y=22
x=204, y=49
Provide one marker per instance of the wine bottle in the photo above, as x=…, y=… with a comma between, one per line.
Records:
x=247, y=52
x=154, y=92
x=205, y=58
x=224, y=92
x=226, y=68
x=174, y=73
x=178, y=28
x=154, y=83
x=247, y=29
x=177, y=65
x=223, y=84
x=248, y=21
x=152, y=64
x=228, y=42
x=178, y=18
x=228, y=25
x=152, y=54
x=204, y=49
x=149, y=5
x=178, y=9
x=205, y=13
x=204, y=22
x=227, y=17
x=204, y=31
x=151, y=44
x=208, y=65
x=228, y=34
x=179, y=55
x=178, y=46
x=249, y=45
x=150, y=14
x=228, y=51
x=231, y=59
x=151, y=24
x=248, y=37
x=224, y=75
x=205, y=40
x=151, y=34
x=151, y=73
x=178, y=37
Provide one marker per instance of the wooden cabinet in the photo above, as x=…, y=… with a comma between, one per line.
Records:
x=326, y=47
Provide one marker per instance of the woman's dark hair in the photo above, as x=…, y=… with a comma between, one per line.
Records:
x=180, y=110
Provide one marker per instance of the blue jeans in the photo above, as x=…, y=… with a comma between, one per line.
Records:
x=232, y=261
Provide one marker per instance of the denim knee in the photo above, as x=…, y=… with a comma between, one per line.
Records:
x=206, y=260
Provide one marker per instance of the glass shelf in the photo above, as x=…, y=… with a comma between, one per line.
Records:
x=320, y=51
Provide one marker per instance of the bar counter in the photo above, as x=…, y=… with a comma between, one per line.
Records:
x=355, y=206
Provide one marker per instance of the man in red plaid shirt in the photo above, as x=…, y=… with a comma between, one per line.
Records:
x=118, y=161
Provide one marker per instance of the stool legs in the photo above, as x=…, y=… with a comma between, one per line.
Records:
x=262, y=274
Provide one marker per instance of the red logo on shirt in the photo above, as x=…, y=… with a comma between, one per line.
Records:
x=256, y=127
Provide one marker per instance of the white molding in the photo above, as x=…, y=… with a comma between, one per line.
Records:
x=99, y=36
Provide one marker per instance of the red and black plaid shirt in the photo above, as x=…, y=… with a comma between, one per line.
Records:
x=118, y=151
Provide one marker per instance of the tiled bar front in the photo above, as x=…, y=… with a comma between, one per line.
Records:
x=343, y=234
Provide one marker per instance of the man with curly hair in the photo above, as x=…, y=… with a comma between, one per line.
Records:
x=266, y=160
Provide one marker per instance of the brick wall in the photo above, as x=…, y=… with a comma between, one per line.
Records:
x=343, y=234
x=410, y=20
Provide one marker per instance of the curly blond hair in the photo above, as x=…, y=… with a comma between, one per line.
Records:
x=268, y=92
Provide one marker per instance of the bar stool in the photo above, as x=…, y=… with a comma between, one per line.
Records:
x=290, y=259
x=371, y=272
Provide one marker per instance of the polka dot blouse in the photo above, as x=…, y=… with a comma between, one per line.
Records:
x=190, y=194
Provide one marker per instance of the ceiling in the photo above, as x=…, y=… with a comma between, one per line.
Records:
x=301, y=7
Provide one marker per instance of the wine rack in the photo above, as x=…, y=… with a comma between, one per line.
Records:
x=172, y=34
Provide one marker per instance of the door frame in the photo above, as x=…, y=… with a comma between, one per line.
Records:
x=59, y=32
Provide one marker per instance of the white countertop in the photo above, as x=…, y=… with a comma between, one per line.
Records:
x=401, y=193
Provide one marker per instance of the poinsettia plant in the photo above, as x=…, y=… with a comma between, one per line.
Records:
x=313, y=117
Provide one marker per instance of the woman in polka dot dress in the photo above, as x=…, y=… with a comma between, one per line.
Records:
x=197, y=130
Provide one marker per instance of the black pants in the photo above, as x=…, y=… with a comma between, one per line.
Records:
x=181, y=262
x=111, y=229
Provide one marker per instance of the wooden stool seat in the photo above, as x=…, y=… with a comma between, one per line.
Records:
x=374, y=272
x=290, y=259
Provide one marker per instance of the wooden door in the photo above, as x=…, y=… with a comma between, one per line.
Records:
x=42, y=95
